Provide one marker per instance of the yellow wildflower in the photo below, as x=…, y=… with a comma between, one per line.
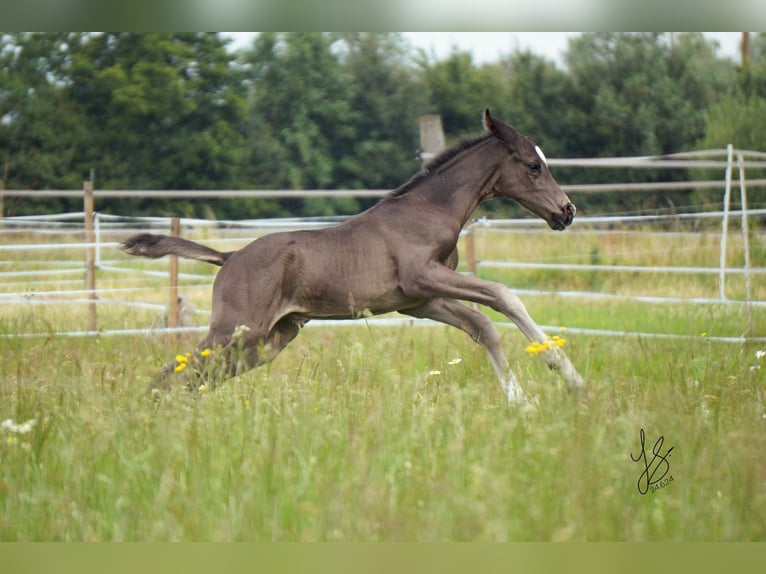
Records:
x=180, y=367
x=202, y=388
x=205, y=352
x=537, y=347
x=182, y=359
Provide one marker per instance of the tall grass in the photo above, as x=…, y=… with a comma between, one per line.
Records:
x=349, y=436
x=371, y=433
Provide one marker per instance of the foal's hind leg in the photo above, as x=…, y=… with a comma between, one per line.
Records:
x=480, y=328
x=222, y=354
x=257, y=350
x=193, y=368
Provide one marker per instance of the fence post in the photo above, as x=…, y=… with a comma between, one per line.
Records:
x=90, y=257
x=431, y=137
x=470, y=253
x=725, y=224
x=97, y=233
x=175, y=231
x=745, y=239
x=470, y=250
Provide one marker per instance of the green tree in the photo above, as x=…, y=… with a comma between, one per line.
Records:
x=39, y=128
x=639, y=94
x=299, y=115
x=459, y=91
x=339, y=110
x=740, y=119
x=537, y=96
x=642, y=94
x=386, y=97
x=163, y=110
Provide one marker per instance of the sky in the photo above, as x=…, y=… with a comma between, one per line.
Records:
x=490, y=46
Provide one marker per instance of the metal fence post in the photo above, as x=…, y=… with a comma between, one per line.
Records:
x=745, y=239
x=725, y=224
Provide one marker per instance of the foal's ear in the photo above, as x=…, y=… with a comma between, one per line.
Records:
x=499, y=128
x=487, y=121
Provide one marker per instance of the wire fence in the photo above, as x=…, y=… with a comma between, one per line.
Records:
x=44, y=259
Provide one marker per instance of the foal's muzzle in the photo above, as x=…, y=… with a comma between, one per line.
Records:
x=562, y=220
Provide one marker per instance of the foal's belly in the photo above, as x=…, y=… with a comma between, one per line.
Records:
x=354, y=304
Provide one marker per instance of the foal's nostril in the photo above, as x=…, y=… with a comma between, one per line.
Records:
x=570, y=211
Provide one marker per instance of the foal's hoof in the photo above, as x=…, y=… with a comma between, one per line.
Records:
x=516, y=396
x=575, y=383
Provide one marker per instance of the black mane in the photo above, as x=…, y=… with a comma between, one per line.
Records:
x=438, y=161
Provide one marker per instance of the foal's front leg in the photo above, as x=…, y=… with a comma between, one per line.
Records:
x=440, y=281
x=480, y=328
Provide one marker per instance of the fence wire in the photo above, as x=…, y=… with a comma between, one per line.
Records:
x=28, y=278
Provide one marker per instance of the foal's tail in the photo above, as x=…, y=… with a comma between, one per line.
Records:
x=154, y=246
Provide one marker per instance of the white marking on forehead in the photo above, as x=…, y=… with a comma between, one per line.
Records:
x=541, y=155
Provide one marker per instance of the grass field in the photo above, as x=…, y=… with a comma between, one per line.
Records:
x=362, y=433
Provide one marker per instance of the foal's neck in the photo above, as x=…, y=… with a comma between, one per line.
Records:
x=466, y=181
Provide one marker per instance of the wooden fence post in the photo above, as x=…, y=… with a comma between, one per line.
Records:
x=470, y=250
x=2, y=192
x=90, y=257
x=470, y=254
x=175, y=231
x=431, y=137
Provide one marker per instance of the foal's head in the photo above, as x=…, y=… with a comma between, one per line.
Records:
x=525, y=178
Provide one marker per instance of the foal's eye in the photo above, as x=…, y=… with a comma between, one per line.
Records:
x=534, y=168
